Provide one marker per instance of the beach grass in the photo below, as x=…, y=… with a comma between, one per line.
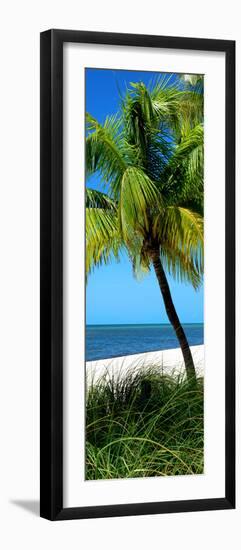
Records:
x=144, y=424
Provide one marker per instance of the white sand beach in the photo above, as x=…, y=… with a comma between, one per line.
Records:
x=170, y=361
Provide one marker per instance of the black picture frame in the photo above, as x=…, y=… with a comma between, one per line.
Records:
x=51, y=324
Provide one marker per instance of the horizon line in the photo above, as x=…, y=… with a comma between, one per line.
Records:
x=141, y=324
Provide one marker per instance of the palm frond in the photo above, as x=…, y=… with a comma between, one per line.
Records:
x=181, y=230
x=102, y=236
x=184, y=173
x=177, y=106
x=105, y=150
x=166, y=102
x=97, y=199
x=138, y=196
x=180, y=266
x=192, y=139
x=143, y=122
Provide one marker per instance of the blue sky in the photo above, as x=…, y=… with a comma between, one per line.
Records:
x=113, y=295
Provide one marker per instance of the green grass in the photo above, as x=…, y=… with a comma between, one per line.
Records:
x=146, y=424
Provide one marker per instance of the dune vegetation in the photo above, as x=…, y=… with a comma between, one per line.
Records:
x=143, y=425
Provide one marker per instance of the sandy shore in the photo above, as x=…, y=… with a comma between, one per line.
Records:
x=170, y=361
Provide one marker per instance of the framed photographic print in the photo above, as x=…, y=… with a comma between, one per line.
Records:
x=137, y=274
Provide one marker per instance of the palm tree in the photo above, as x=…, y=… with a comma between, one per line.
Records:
x=150, y=161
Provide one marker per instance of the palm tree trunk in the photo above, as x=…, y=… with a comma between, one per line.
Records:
x=172, y=314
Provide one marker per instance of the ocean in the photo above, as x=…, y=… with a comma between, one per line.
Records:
x=104, y=341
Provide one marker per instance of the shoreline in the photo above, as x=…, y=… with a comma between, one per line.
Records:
x=170, y=362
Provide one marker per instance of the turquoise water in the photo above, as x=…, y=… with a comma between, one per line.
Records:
x=104, y=341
